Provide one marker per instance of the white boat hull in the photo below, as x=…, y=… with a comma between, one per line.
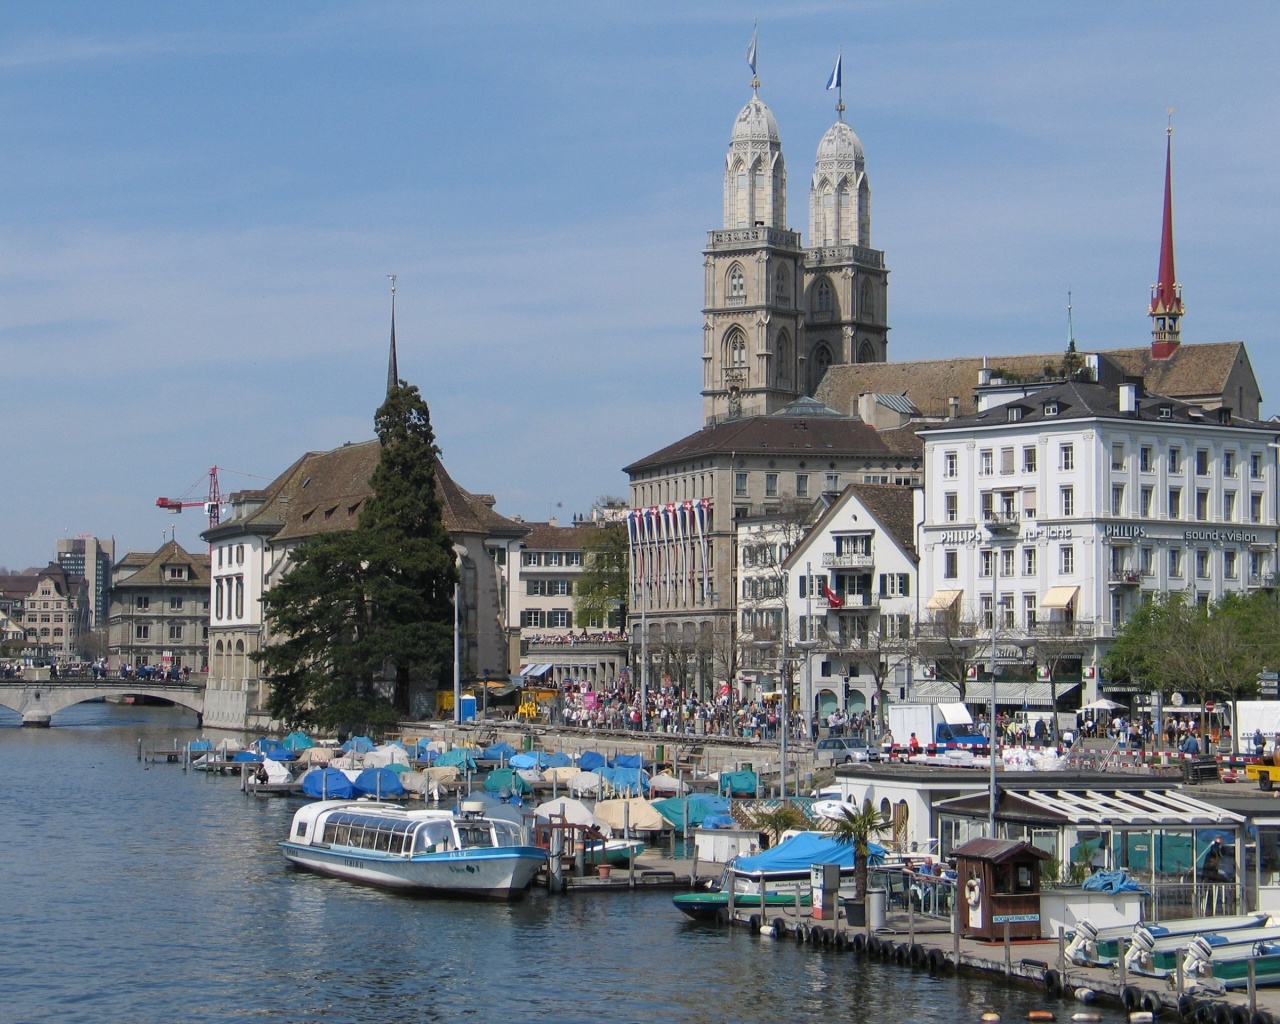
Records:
x=499, y=873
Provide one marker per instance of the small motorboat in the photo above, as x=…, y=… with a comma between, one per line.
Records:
x=619, y=852
x=433, y=851
x=1218, y=968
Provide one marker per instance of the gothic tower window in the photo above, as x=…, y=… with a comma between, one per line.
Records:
x=782, y=287
x=822, y=296
x=866, y=354
x=785, y=359
x=737, y=283
x=821, y=360
x=734, y=354
x=866, y=306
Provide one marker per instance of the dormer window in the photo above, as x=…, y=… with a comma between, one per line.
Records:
x=1016, y=412
x=1051, y=408
x=1166, y=412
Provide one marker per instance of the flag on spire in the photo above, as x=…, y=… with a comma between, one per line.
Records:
x=751, y=51
x=834, y=81
x=393, y=371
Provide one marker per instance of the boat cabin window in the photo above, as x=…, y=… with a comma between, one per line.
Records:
x=366, y=832
x=508, y=833
x=471, y=835
x=433, y=837
x=302, y=829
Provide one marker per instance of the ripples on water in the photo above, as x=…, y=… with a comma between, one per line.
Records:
x=134, y=894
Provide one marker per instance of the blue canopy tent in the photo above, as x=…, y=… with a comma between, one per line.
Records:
x=590, y=760
x=795, y=856
x=327, y=784
x=360, y=744
x=378, y=782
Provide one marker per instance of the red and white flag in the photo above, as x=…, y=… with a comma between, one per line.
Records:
x=833, y=599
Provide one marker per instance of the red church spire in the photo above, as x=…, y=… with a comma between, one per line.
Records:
x=1166, y=294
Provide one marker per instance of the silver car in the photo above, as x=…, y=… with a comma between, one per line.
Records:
x=843, y=750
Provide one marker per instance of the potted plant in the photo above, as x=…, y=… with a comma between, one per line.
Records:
x=858, y=829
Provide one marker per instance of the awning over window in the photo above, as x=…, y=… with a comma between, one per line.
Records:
x=1059, y=597
x=530, y=671
x=943, y=600
x=1032, y=695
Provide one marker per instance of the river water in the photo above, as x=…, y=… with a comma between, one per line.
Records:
x=143, y=894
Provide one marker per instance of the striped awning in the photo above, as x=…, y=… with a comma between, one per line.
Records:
x=1059, y=597
x=943, y=600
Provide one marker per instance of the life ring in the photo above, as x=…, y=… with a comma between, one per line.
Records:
x=973, y=892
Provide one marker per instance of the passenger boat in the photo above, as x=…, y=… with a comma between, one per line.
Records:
x=435, y=851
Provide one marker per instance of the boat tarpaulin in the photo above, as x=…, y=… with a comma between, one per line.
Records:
x=739, y=782
x=328, y=784
x=590, y=760
x=797, y=854
x=627, y=761
x=360, y=744
x=459, y=757
x=378, y=782
x=498, y=752
x=626, y=780
x=296, y=741
x=672, y=809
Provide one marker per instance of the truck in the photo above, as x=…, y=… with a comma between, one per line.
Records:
x=938, y=727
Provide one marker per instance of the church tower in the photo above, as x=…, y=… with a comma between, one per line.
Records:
x=846, y=285
x=1166, y=295
x=752, y=318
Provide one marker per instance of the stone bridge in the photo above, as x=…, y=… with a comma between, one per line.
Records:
x=36, y=700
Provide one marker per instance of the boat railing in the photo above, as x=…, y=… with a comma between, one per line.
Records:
x=928, y=894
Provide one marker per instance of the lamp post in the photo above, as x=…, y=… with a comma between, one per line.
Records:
x=762, y=646
x=808, y=646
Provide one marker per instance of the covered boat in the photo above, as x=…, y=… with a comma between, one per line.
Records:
x=463, y=854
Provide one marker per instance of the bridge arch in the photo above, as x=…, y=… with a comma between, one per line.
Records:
x=38, y=700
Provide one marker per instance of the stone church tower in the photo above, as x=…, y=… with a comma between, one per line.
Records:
x=776, y=314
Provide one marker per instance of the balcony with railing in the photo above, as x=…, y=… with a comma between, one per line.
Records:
x=1263, y=581
x=864, y=600
x=1125, y=577
x=1000, y=520
x=832, y=560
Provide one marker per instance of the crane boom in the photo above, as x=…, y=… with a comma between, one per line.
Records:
x=212, y=504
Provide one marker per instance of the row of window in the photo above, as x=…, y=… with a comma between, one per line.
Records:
x=557, y=618
x=142, y=631
x=228, y=593
x=548, y=588
x=235, y=551
x=44, y=632
x=142, y=603
x=1173, y=459
x=1005, y=503
x=552, y=558
x=43, y=618
x=831, y=482
x=1203, y=558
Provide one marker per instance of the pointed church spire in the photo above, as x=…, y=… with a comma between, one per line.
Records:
x=1166, y=294
x=393, y=371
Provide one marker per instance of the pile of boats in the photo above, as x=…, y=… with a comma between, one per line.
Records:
x=1215, y=952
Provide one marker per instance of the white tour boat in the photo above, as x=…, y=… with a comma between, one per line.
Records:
x=463, y=854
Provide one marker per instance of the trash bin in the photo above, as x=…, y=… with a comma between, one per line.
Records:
x=467, y=709
x=526, y=742
x=659, y=753
x=875, y=907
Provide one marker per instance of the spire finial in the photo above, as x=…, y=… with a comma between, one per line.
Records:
x=1071, y=331
x=836, y=82
x=1166, y=295
x=393, y=371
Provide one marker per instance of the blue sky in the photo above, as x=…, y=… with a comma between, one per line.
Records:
x=199, y=205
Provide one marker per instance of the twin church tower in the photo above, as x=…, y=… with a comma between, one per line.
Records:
x=777, y=314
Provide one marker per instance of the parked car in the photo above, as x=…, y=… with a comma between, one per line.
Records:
x=843, y=750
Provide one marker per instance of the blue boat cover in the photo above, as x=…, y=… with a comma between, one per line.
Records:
x=1111, y=881
x=590, y=760
x=559, y=760
x=801, y=851
x=378, y=782
x=360, y=744
x=506, y=779
x=263, y=745
x=327, y=783
x=627, y=761
x=247, y=755
x=200, y=745
x=423, y=752
x=719, y=821
x=298, y=741
x=718, y=804
x=459, y=756
x=498, y=752
x=633, y=780
x=528, y=760
x=738, y=782
x=281, y=755
x=673, y=807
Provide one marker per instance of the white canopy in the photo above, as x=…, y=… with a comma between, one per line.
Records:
x=642, y=815
x=1102, y=704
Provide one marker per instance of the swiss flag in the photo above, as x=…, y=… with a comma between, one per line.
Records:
x=833, y=599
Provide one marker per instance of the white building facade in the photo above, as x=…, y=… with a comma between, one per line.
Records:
x=1064, y=508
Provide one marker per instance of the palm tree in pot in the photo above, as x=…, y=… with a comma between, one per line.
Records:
x=858, y=829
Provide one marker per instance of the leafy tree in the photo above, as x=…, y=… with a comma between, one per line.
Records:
x=602, y=587
x=779, y=818
x=365, y=615
x=859, y=828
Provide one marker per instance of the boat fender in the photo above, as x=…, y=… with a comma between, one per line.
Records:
x=753, y=923
x=1141, y=1017
x=1087, y=1018
x=859, y=943
x=779, y=927
x=1238, y=1015
x=918, y=956
x=991, y=1017
x=901, y=953
x=1040, y=1015
x=722, y=917
x=838, y=941
x=937, y=960
x=873, y=946
x=1152, y=1003
x=1261, y=1017
x=1186, y=1007
x=973, y=892
x=766, y=930
x=799, y=933
x=1221, y=1013
x=825, y=935
x=887, y=949
x=1085, y=995
x=1131, y=996
x=1053, y=982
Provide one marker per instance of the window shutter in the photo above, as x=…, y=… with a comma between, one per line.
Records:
x=884, y=584
x=568, y=620
x=804, y=582
x=904, y=584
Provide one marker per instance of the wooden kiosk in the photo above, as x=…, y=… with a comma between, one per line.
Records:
x=999, y=883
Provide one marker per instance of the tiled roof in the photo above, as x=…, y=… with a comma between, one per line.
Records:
x=18, y=585
x=1192, y=371
x=324, y=491
x=903, y=440
x=894, y=507
x=760, y=435
x=545, y=537
x=151, y=573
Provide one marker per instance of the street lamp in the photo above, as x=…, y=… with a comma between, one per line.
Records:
x=762, y=646
x=808, y=646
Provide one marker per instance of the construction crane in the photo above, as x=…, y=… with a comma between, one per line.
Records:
x=211, y=505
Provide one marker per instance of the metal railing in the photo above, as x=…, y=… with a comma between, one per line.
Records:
x=1173, y=900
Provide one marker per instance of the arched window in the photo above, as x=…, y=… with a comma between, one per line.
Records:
x=239, y=597
x=822, y=296
x=785, y=359
x=866, y=354
x=821, y=360
x=735, y=351
x=866, y=305
x=57, y=631
x=782, y=287
x=239, y=647
x=737, y=283
x=217, y=648
x=217, y=599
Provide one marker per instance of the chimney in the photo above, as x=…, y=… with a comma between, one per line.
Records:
x=953, y=408
x=1129, y=399
x=984, y=377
